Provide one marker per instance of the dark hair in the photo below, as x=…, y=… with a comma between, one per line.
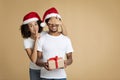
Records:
x=25, y=30
x=46, y=21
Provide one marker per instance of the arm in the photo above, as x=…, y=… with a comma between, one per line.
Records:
x=32, y=53
x=40, y=62
x=69, y=59
x=69, y=51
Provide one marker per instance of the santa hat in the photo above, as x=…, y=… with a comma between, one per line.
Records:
x=31, y=16
x=52, y=12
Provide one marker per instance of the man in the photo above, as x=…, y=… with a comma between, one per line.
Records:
x=53, y=44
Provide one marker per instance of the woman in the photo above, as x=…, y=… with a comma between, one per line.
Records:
x=31, y=32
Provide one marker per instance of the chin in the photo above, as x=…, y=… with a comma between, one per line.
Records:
x=54, y=31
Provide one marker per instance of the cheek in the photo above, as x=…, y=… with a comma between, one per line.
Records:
x=31, y=29
x=50, y=27
x=37, y=27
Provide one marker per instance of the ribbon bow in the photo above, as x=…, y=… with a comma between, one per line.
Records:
x=55, y=59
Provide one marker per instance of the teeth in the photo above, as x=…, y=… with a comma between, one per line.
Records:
x=54, y=27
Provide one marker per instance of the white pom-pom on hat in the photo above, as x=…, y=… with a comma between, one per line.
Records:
x=43, y=24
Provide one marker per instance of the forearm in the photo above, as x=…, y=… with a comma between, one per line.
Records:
x=69, y=59
x=34, y=53
x=69, y=62
x=39, y=60
x=40, y=63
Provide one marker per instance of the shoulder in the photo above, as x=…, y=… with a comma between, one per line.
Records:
x=42, y=38
x=43, y=33
x=65, y=37
x=28, y=43
x=28, y=40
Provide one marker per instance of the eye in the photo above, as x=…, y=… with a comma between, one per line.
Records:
x=56, y=25
x=36, y=24
x=30, y=25
x=49, y=24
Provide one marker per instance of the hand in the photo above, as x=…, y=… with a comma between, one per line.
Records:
x=65, y=64
x=45, y=64
x=37, y=35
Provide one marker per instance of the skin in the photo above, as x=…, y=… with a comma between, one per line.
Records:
x=32, y=53
x=53, y=25
x=33, y=28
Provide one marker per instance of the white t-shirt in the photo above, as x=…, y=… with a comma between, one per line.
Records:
x=28, y=43
x=52, y=46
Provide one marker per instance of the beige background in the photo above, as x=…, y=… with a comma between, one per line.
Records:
x=92, y=25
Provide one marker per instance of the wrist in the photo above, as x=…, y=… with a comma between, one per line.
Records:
x=68, y=62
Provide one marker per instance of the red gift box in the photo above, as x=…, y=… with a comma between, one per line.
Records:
x=56, y=63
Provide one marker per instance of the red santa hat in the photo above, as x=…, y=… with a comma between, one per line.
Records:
x=31, y=16
x=52, y=12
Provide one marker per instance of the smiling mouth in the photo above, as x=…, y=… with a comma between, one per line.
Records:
x=54, y=27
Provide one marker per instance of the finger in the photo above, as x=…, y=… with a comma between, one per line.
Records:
x=38, y=36
x=46, y=66
x=36, y=31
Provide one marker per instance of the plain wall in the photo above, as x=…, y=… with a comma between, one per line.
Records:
x=92, y=25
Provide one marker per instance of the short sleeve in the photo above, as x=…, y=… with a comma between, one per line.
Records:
x=27, y=44
x=69, y=46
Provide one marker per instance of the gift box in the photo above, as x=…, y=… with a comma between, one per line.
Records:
x=55, y=63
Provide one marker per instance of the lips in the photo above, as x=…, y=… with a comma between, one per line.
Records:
x=54, y=27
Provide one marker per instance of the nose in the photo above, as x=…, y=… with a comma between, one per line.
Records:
x=35, y=28
x=53, y=24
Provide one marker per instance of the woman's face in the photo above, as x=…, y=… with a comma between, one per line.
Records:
x=33, y=27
